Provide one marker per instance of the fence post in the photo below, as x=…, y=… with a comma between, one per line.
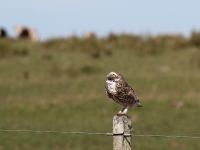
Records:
x=122, y=133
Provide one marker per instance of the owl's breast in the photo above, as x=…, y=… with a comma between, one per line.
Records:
x=111, y=85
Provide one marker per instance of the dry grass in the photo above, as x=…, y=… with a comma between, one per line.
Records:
x=60, y=86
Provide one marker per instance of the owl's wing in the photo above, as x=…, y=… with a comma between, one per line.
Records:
x=131, y=93
x=125, y=93
x=128, y=96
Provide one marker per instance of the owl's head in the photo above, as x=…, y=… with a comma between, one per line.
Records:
x=113, y=76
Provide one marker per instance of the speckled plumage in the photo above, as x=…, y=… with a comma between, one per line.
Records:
x=118, y=89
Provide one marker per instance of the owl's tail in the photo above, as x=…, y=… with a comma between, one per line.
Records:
x=138, y=104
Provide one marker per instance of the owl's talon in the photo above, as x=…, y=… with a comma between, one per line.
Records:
x=123, y=111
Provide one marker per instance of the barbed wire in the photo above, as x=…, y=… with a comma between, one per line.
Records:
x=96, y=133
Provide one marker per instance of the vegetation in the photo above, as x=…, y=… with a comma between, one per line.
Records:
x=59, y=85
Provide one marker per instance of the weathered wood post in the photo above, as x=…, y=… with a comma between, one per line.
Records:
x=122, y=133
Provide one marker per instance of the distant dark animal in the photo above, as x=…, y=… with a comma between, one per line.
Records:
x=118, y=89
x=3, y=33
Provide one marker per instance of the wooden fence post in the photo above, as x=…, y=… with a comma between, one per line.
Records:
x=122, y=133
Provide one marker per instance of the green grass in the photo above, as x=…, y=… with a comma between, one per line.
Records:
x=44, y=88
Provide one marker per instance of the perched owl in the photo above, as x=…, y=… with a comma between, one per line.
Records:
x=118, y=89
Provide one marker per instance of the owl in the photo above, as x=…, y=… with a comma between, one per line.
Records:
x=118, y=89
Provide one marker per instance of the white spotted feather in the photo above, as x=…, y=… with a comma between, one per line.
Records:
x=111, y=85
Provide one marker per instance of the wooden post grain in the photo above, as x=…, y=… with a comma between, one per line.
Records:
x=121, y=133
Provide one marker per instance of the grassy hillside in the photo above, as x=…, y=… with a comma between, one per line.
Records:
x=59, y=85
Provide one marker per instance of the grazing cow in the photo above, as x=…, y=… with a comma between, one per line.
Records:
x=3, y=33
x=26, y=33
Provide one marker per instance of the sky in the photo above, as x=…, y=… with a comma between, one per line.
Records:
x=66, y=17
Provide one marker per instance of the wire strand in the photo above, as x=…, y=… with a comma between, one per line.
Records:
x=97, y=133
x=167, y=136
x=56, y=132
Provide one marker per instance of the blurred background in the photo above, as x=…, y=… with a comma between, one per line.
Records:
x=54, y=57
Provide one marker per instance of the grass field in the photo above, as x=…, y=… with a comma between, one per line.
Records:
x=52, y=86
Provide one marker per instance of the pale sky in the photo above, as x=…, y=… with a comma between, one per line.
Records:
x=65, y=17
